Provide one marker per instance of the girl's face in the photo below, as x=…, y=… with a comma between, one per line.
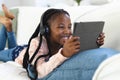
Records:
x=60, y=29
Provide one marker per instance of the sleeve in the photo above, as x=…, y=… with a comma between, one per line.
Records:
x=45, y=68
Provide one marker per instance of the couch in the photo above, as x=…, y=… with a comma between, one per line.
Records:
x=27, y=19
x=109, y=69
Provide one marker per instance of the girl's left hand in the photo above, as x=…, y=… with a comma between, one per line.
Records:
x=100, y=39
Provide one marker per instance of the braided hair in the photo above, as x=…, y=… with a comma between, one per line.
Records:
x=47, y=15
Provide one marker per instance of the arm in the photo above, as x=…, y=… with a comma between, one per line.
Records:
x=44, y=68
x=70, y=48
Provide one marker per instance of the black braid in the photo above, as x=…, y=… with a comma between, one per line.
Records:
x=25, y=59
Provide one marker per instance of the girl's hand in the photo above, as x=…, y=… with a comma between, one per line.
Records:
x=71, y=46
x=100, y=39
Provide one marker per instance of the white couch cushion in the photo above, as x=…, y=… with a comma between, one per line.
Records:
x=108, y=69
x=28, y=20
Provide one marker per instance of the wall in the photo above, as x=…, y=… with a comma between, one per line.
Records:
x=28, y=2
x=11, y=3
x=54, y=2
x=46, y=3
x=43, y=3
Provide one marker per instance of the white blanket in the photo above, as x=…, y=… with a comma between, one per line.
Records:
x=12, y=71
x=109, y=69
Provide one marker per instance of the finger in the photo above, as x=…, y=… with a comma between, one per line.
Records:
x=101, y=37
x=77, y=47
x=102, y=33
x=77, y=50
x=76, y=43
x=74, y=39
x=100, y=42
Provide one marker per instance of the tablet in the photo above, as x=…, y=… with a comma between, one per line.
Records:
x=88, y=33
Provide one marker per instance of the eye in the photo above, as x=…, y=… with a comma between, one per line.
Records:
x=61, y=26
x=69, y=27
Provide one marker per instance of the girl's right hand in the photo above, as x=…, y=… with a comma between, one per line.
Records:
x=71, y=46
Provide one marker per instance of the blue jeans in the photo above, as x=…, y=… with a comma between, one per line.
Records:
x=81, y=66
x=5, y=55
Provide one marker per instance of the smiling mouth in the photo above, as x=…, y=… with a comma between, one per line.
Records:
x=64, y=38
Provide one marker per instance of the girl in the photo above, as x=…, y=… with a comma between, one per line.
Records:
x=50, y=45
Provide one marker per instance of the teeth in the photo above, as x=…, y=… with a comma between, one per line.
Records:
x=65, y=37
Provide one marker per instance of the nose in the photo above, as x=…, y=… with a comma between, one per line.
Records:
x=67, y=31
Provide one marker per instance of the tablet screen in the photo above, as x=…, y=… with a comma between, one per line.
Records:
x=88, y=33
